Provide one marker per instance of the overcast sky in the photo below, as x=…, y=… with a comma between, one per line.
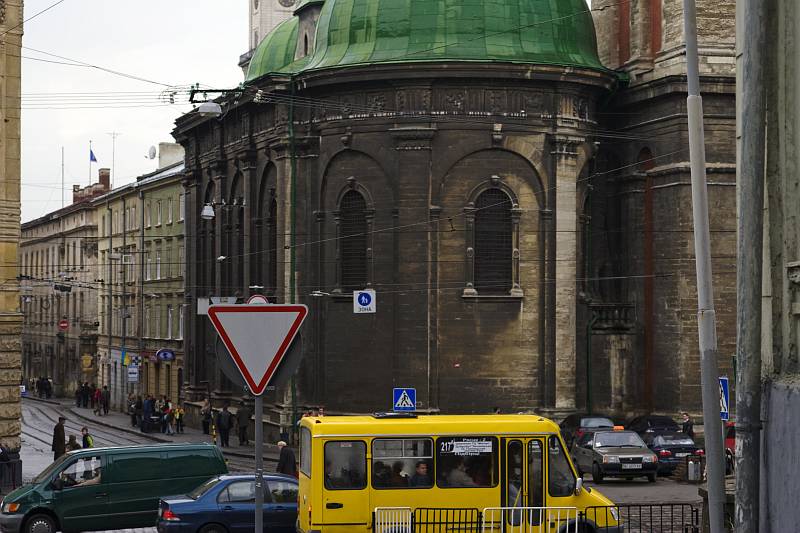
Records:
x=173, y=42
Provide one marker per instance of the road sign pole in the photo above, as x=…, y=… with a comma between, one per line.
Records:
x=259, y=437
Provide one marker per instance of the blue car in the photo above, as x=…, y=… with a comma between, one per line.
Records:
x=226, y=504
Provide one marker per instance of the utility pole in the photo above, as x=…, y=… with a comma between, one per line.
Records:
x=114, y=136
x=751, y=14
x=706, y=316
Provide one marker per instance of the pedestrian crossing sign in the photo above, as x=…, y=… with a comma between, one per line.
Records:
x=724, y=399
x=404, y=400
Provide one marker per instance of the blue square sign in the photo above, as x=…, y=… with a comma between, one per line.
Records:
x=404, y=400
x=724, y=399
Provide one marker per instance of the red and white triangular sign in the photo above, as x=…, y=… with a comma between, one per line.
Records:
x=257, y=337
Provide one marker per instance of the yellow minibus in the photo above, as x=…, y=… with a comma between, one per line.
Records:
x=449, y=470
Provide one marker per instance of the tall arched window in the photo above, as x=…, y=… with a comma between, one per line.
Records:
x=272, y=247
x=494, y=244
x=353, y=246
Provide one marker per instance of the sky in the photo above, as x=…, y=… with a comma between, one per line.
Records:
x=174, y=43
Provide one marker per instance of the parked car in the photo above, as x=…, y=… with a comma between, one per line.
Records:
x=82, y=489
x=652, y=424
x=672, y=448
x=614, y=453
x=574, y=426
x=226, y=504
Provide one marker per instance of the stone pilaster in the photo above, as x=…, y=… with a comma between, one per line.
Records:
x=565, y=158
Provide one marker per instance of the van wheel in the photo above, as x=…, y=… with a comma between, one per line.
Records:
x=213, y=528
x=40, y=523
x=597, y=475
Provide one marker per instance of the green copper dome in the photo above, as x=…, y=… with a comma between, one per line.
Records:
x=276, y=51
x=352, y=32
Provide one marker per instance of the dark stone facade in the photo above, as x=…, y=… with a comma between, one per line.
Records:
x=602, y=233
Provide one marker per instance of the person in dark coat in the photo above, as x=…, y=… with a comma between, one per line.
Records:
x=105, y=399
x=59, y=439
x=688, y=426
x=287, y=463
x=243, y=422
x=224, y=425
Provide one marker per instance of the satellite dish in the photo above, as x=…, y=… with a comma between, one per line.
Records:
x=151, y=153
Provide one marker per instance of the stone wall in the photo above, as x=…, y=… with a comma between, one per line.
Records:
x=10, y=317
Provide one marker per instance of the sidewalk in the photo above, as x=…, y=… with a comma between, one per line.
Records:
x=122, y=422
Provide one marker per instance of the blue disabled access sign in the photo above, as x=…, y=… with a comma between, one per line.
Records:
x=404, y=400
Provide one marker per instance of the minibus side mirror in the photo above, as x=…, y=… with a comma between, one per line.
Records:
x=57, y=484
x=578, y=486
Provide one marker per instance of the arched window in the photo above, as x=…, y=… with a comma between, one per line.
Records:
x=353, y=245
x=272, y=246
x=494, y=244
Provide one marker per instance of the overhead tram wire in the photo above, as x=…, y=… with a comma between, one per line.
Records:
x=48, y=8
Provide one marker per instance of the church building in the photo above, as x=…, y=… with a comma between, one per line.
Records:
x=514, y=189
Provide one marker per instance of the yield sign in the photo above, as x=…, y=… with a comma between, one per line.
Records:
x=257, y=337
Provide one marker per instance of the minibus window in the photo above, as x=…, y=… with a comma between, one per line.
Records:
x=463, y=462
x=345, y=465
x=535, y=477
x=560, y=479
x=305, y=451
x=402, y=463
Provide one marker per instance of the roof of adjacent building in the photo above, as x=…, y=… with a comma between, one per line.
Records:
x=363, y=32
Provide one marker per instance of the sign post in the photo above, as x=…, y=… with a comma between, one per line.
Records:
x=257, y=337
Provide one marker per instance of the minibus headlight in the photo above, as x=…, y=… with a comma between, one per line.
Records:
x=614, y=514
x=10, y=508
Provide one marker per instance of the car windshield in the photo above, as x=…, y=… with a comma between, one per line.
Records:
x=202, y=489
x=617, y=439
x=48, y=472
x=673, y=440
x=597, y=422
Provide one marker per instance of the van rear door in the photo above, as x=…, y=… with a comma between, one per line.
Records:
x=345, y=497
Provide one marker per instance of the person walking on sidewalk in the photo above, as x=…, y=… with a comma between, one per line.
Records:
x=287, y=462
x=59, y=439
x=96, y=398
x=205, y=413
x=73, y=445
x=243, y=422
x=179, y=414
x=105, y=399
x=224, y=425
x=88, y=440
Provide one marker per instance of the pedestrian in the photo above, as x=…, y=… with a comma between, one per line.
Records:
x=78, y=395
x=180, y=413
x=496, y=410
x=105, y=398
x=287, y=463
x=48, y=388
x=88, y=440
x=147, y=410
x=169, y=417
x=132, y=409
x=205, y=413
x=243, y=422
x=688, y=426
x=73, y=445
x=96, y=397
x=138, y=410
x=59, y=440
x=224, y=424
x=86, y=393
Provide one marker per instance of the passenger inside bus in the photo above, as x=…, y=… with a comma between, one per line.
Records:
x=421, y=477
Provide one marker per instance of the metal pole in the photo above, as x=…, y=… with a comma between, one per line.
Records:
x=259, y=436
x=706, y=317
x=750, y=203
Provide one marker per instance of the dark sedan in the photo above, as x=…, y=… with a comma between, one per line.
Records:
x=574, y=426
x=226, y=504
x=652, y=424
x=672, y=449
x=615, y=453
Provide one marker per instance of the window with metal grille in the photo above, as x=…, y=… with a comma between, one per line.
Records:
x=493, y=242
x=353, y=245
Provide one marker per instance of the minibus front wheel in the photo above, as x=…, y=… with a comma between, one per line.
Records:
x=40, y=523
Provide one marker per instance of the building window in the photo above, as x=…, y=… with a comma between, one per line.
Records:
x=147, y=321
x=169, y=210
x=181, y=316
x=148, y=212
x=492, y=238
x=493, y=242
x=181, y=260
x=133, y=217
x=157, y=322
x=181, y=207
x=169, y=321
x=353, y=242
x=158, y=212
x=147, y=267
x=158, y=264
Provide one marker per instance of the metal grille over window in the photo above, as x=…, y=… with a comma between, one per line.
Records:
x=353, y=217
x=493, y=242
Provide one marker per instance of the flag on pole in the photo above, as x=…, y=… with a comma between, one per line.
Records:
x=92, y=158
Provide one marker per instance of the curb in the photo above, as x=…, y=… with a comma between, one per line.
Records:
x=41, y=400
x=113, y=426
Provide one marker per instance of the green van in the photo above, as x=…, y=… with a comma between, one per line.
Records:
x=108, y=488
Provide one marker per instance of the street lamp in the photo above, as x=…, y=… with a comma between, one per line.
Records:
x=208, y=212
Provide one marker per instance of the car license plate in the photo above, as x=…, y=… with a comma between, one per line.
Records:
x=684, y=454
x=631, y=466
